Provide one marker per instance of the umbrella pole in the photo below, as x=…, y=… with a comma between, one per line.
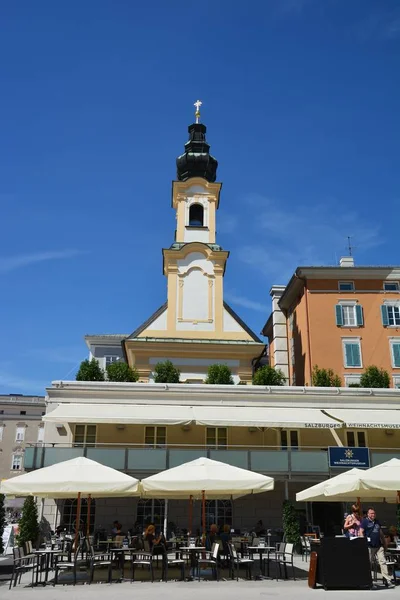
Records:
x=165, y=517
x=78, y=520
x=190, y=513
x=88, y=516
x=203, y=509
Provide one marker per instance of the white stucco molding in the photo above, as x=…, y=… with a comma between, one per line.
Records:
x=232, y=395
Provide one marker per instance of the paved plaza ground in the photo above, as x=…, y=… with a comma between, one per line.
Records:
x=193, y=590
x=222, y=590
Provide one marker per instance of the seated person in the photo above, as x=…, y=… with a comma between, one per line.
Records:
x=225, y=535
x=212, y=536
x=153, y=539
x=259, y=528
x=117, y=529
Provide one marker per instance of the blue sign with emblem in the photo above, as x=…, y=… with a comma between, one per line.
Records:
x=348, y=458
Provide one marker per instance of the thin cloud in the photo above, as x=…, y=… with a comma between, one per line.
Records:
x=227, y=223
x=11, y=263
x=245, y=302
x=10, y=383
x=307, y=235
x=68, y=355
x=384, y=25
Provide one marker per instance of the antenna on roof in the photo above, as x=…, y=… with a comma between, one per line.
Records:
x=350, y=247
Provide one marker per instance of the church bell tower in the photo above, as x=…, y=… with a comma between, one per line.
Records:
x=195, y=263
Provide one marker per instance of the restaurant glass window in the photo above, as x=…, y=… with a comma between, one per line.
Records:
x=85, y=435
x=356, y=439
x=155, y=436
x=289, y=439
x=70, y=510
x=150, y=512
x=219, y=512
x=216, y=437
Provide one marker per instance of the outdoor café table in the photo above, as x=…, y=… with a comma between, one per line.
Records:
x=48, y=553
x=194, y=551
x=262, y=550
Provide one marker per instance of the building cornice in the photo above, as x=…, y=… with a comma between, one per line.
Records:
x=231, y=395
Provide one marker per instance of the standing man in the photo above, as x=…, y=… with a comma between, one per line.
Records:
x=371, y=529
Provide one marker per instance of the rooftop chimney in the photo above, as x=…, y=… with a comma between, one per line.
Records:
x=347, y=261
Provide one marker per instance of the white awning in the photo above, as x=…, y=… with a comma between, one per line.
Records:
x=213, y=416
x=140, y=414
x=367, y=419
x=261, y=416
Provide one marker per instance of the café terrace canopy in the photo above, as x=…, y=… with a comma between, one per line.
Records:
x=178, y=414
x=212, y=478
x=367, y=419
x=72, y=477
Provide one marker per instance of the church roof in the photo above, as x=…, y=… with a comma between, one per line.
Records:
x=242, y=323
x=149, y=321
x=196, y=161
x=162, y=308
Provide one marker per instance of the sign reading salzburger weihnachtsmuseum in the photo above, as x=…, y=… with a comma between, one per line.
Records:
x=348, y=458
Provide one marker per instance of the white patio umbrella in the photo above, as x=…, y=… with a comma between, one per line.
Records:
x=379, y=482
x=80, y=477
x=205, y=478
x=318, y=492
x=344, y=487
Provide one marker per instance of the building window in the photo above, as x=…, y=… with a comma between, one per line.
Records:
x=352, y=353
x=216, y=437
x=390, y=314
x=349, y=314
x=289, y=438
x=350, y=380
x=16, y=463
x=150, y=512
x=346, y=286
x=20, y=433
x=356, y=439
x=396, y=381
x=395, y=352
x=85, y=435
x=40, y=436
x=218, y=512
x=155, y=436
x=111, y=359
x=391, y=286
x=22, y=412
x=70, y=510
x=196, y=215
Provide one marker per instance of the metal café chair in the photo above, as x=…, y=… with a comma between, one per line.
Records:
x=22, y=564
x=103, y=560
x=211, y=560
x=237, y=562
x=141, y=558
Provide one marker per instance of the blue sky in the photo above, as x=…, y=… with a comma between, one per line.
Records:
x=301, y=103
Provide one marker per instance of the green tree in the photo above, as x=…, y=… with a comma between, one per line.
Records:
x=373, y=377
x=28, y=524
x=267, y=375
x=2, y=521
x=325, y=378
x=121, y=371
x=290, y=522
x=219, y=374
x=90, y=370
x=165, y=372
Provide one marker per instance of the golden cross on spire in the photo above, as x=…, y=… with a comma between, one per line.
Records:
x=197, y=104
